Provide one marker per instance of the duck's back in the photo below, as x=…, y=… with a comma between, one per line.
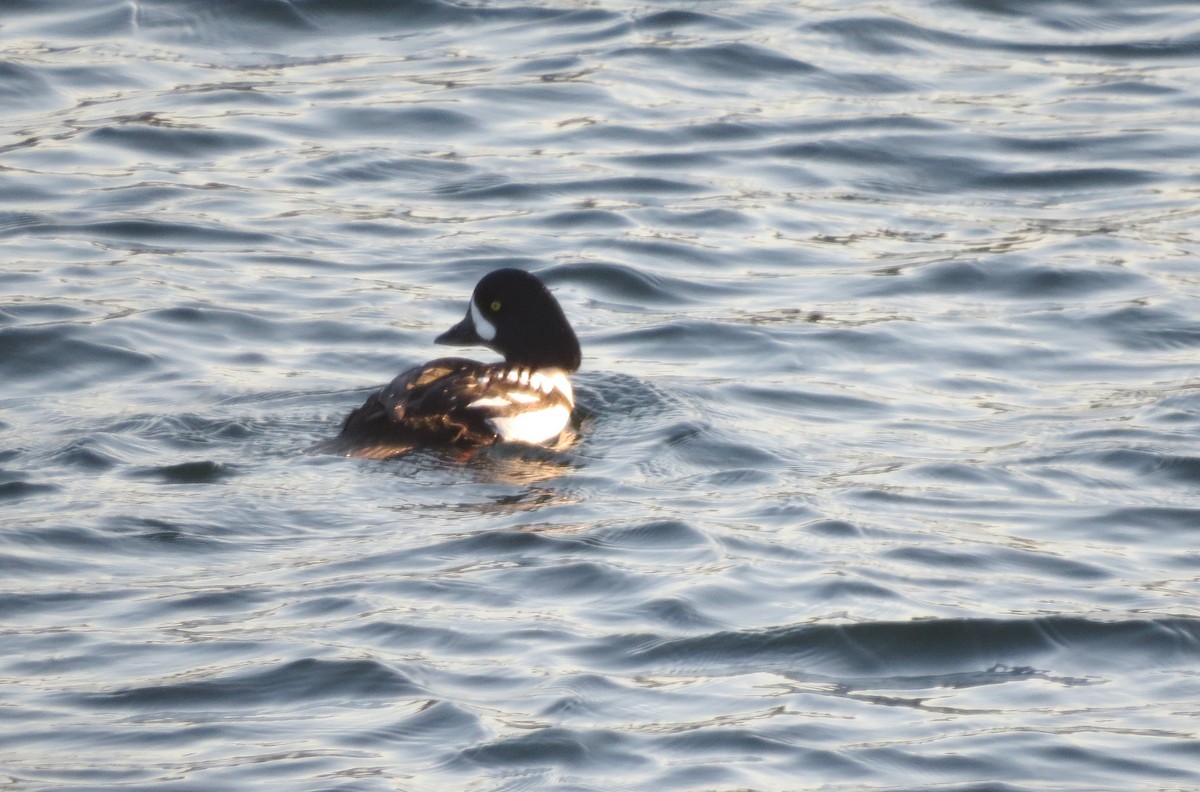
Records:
x=455, y=401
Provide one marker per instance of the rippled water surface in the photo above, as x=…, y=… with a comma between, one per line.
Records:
x=887, y=469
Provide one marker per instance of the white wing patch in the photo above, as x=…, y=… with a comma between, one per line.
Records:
x=535, y=426
x=519, y=397
x=490, y=401
x=507, y=400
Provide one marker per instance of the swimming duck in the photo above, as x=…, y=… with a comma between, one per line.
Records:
x=459, y=402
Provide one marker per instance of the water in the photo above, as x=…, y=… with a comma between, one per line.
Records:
x=886, y=473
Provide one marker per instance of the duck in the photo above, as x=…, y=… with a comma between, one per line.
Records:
x=457, y=402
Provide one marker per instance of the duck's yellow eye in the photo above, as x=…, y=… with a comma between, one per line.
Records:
x=495, y=305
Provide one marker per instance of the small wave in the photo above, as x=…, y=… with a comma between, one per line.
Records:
x=901, y=648
x=291, y=685
x=57, y=357
x=202, y=472
x=724, y=61
x=18, y=489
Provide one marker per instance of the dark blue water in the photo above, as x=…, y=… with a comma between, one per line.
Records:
x=887, y=469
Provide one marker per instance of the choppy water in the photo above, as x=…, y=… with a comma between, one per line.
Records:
x=887, y=472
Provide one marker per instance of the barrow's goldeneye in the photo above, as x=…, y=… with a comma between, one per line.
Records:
x=455, y=401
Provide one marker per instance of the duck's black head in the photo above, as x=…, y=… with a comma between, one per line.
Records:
x=515, y=314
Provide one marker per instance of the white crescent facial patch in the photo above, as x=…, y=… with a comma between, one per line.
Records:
x=485, y=329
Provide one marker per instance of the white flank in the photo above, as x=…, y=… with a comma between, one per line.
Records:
x=485, y=329
x=536, y=426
